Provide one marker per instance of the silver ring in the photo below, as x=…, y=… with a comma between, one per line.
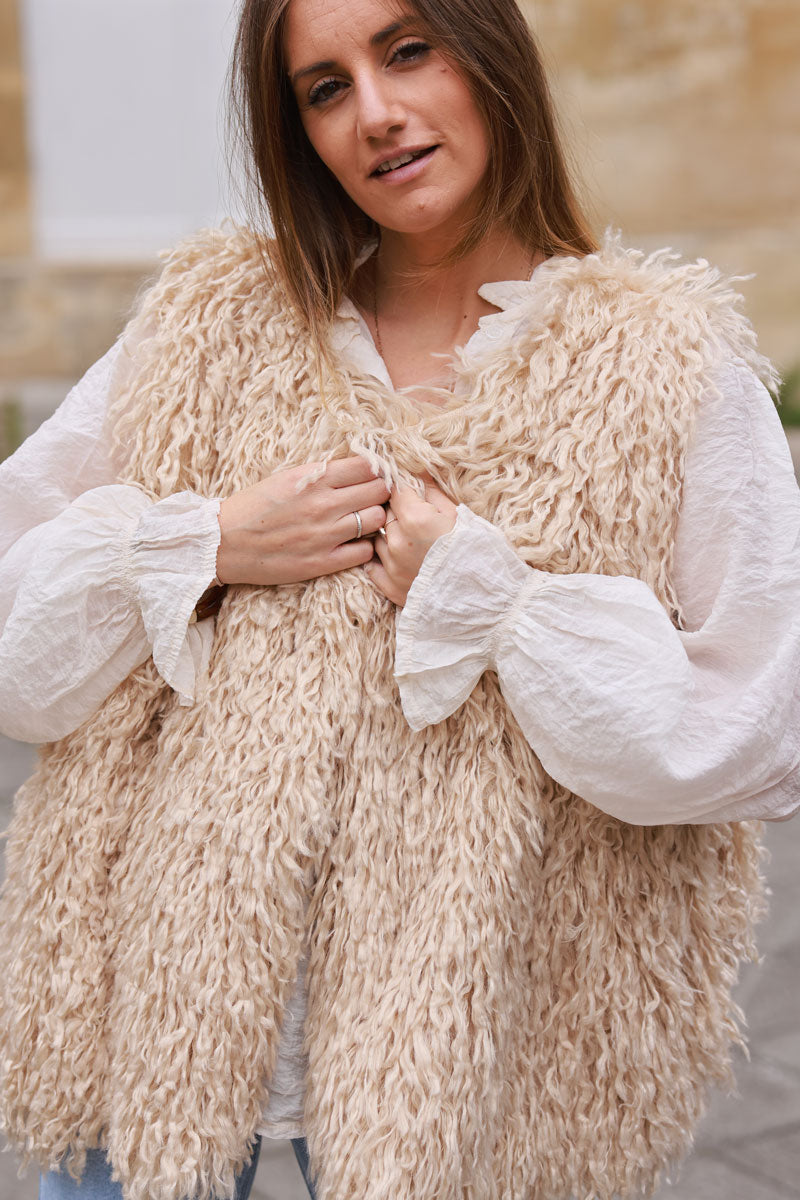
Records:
x=357, y=516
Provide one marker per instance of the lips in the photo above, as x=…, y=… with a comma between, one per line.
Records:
x=417, y=153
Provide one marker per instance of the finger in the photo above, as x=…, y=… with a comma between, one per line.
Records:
x=414, y=513
x=350, y=554
x=439, y=499
x=382, y=551
x=403, y=500
x=378, y=575
x=344, y=472
x=430, y=485
x=390, y=533
x=346, y=528
x=359, y=496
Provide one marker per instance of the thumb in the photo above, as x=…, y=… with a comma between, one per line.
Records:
x=435, y=496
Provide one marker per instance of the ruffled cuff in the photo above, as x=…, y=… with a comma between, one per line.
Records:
x=171, y=561
x=466, y=592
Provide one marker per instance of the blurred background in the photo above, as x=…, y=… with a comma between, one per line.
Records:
x=684, y=119
x=684, y=123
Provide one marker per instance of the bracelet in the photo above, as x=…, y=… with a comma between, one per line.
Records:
x=210, y=602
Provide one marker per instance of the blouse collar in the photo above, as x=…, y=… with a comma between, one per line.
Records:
x=351, y=337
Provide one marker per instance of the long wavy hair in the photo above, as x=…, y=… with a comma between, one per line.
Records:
x=318, y=230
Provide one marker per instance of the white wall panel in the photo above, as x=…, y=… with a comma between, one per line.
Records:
x=126, y=122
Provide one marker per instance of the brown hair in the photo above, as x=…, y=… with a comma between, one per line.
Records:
x=319, y=230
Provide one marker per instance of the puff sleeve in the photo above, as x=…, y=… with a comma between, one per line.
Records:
x=94, y=576
x=650, y=723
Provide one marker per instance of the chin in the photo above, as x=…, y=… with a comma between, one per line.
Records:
x=427, y=219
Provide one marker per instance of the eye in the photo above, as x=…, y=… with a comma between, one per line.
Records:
x=320, y=91
x=326, y=89
x=410, y=50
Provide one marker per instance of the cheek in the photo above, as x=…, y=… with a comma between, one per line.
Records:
x=331, y=144
x=319, y=137
x=454, y=98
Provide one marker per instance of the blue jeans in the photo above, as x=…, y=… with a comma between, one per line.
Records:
x=97, y=1184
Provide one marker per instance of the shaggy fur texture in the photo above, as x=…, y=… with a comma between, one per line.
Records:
x=511, y=995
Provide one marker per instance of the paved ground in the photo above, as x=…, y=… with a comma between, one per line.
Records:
x=748, y=1148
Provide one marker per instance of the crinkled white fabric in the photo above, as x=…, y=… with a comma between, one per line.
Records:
x=168, y=557
x=283, y=1115
x=649, y=723
x=173, y=559
x=95, y=577
x=41, y=693
x=605, y=689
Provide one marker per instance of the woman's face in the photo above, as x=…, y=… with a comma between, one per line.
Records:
x=371, y=88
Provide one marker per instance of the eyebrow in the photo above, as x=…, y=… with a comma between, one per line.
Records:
x=328, y=64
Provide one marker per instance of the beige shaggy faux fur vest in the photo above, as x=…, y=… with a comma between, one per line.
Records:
x=511, y=995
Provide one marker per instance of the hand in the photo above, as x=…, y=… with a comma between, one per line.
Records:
x=273, y=534
x=412, y=526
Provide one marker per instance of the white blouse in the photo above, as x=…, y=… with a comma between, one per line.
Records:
x=651, y=724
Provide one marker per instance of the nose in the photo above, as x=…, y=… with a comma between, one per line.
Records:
x=379, y=108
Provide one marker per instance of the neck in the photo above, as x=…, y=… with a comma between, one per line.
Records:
x=417, y=309
x=409, y=279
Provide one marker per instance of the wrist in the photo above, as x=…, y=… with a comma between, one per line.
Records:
x=233, y=562
x=227, y=562
x=210, y=602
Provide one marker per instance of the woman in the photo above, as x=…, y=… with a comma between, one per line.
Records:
x=434, y=844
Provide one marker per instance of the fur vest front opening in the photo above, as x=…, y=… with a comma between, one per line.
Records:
x=512, y=996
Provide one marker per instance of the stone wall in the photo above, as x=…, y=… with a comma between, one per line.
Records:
x=684, y=118
x=56, y=318
x=15, y=225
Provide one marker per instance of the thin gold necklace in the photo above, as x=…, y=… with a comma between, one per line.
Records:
x=375, y=296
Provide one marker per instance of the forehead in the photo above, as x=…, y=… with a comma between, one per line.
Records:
x=330, y=26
